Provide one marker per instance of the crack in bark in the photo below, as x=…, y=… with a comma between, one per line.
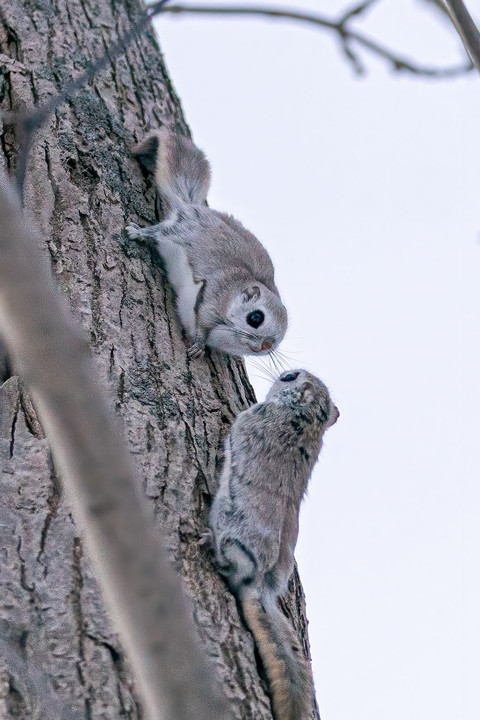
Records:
x=85, y=12
x=111, y=363
x=249, y=392
x=96, y=331
x=33, y=88
x=12, y=38
x=76, y=598
x=3, y=133
x=119, y=668
x=120, y=389
x=207, y=447
x=72, y=26
x=30, y=589
x=231, y=366
x=7, y=136
x=53, y=501
x=193, y=446
x=12, y=430
x=150, y=436
x=222, y=398
x=123, y=298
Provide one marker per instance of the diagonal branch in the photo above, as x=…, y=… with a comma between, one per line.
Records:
x=466, y=28
x=340, y=27
x=139, y=586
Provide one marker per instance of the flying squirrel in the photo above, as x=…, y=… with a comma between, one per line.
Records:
x=222, y=275
x=269, y=457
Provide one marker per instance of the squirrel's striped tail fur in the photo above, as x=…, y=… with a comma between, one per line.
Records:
x=182, y=172
x=288, y=671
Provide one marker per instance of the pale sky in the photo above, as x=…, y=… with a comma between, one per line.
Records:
x=365, y=192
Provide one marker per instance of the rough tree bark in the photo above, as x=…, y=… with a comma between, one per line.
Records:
x=82, y=187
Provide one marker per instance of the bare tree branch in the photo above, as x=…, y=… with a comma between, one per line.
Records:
x=356, y=10
x=141, y=590
x=346, y=35
x=28, y=122
x=466, y=28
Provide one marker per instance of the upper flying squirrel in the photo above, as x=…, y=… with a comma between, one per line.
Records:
x=222, y=275
x=269, y=457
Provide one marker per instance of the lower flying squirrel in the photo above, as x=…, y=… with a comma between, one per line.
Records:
x=269, y=457
x=222, y=275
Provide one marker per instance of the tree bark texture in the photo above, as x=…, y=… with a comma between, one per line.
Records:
x=56, y=641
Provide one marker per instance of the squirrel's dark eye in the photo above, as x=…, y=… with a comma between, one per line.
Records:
x=255, y=318
x=289, y=377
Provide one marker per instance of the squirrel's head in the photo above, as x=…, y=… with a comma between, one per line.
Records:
x=301, y=390
x=255, y=323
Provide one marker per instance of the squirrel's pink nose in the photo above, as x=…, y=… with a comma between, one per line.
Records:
x=267, y=345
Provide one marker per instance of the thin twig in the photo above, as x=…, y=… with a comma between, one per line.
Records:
x=140, y=588
x=466, y=28
x=346, y=35
x=356, y=10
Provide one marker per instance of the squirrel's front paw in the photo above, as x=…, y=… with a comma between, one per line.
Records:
x=206, y=539
x=134, y=232
x=195, y=350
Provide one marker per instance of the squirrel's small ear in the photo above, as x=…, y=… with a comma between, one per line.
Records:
x=308, y=393
x=251, y=293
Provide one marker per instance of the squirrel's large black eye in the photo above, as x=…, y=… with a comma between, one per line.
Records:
x=289, y=377
x=255, y=318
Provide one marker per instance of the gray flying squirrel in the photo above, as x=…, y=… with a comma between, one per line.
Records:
x=222, y=275
x=269, y=457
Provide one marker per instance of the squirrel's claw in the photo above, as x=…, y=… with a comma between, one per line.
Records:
x=134, y=231
x=195, y=351
x=206, y=539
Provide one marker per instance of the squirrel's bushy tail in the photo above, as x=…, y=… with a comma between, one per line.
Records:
x=288, y=671
x=182, y=172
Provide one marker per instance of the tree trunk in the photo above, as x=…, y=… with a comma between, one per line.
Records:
x=59, y=656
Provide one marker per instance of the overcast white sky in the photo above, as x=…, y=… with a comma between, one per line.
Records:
x=366, y=193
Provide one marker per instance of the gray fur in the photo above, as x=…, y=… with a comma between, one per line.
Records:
x=270, y=455
x=222, y=273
